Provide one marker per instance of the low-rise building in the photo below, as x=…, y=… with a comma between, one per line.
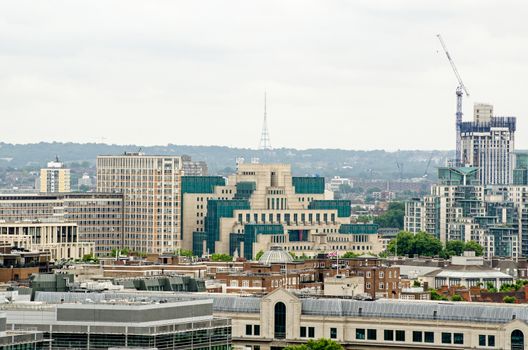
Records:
x=89, y=324
x=415, y=293
x=282, y=318
x=99, y=216
x=336, y=182
x=58, y=239
x=20, y=339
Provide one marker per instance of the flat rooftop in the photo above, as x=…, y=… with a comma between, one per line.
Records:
x=321, y=306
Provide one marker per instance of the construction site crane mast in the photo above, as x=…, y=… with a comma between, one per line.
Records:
x=461, y=89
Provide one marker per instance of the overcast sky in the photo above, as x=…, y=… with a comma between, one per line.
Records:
x=338, y=74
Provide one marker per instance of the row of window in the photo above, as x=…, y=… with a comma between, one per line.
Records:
x=308, y=332
x=417, y=336
x=246, y=218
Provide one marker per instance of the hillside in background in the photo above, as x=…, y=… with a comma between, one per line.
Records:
x=221, y=160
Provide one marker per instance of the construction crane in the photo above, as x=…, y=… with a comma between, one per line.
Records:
x=460, y=90
x=426, y=172
x=400, y=169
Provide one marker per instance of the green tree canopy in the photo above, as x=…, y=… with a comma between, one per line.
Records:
x=474, y=246
x=436, y=296
x=407, y=243
x=90, y=258
x=393, y=217
x=455, y=248
x=345, y=188
x=509, y=299
x=349, y=255
x=259, y=254
x=123, y=251
x=364, y=218
x=185, y=252
x=221, y=257
x=456, y=297
x=319, y=344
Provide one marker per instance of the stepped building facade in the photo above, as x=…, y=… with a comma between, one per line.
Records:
x=263, y=205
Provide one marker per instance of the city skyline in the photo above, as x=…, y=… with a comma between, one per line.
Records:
x=351, y=76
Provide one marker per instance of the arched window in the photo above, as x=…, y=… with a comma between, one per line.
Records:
x=517, y=340
x=280, y=320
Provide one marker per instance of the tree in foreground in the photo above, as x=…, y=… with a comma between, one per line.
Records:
x=319, y=344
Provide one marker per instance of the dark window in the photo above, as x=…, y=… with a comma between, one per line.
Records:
x=388, y=334
x=400, y=335
x=280, y=320
x=417, y=337
x=371, y=334
x=458, y=338
x=311, y=332
x=446, y=338
x=360, y=333
x=249, y=329
x=303, y=332
x=517, y=340
x=429, y=337
x=491, y=340
x=482, y=340
x=256, y=329
x=333, y=333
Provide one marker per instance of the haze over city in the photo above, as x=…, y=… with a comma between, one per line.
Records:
x=352, y=75
x=263, y=175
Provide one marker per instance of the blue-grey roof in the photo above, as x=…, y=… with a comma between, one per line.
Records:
x=402, y=309
x=453, y=311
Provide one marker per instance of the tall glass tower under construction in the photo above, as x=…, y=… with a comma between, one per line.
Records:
x=488, y=143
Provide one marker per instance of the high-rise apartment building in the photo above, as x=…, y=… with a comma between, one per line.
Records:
x=263, y=205
x=488, y=143
x=459, y=208
x=55, y=177
x=152, y=199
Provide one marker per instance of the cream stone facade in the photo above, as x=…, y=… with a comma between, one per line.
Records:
x=58, y=239
x=263, y=205
x=99, y=216
x=151, y=195
x=403, y=324
x=55, y=178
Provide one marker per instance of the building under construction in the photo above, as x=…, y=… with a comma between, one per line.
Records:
x=488, y=143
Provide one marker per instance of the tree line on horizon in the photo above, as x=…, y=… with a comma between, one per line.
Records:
x=374, y=164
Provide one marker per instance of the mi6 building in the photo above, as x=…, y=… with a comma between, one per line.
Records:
x=263, y=205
